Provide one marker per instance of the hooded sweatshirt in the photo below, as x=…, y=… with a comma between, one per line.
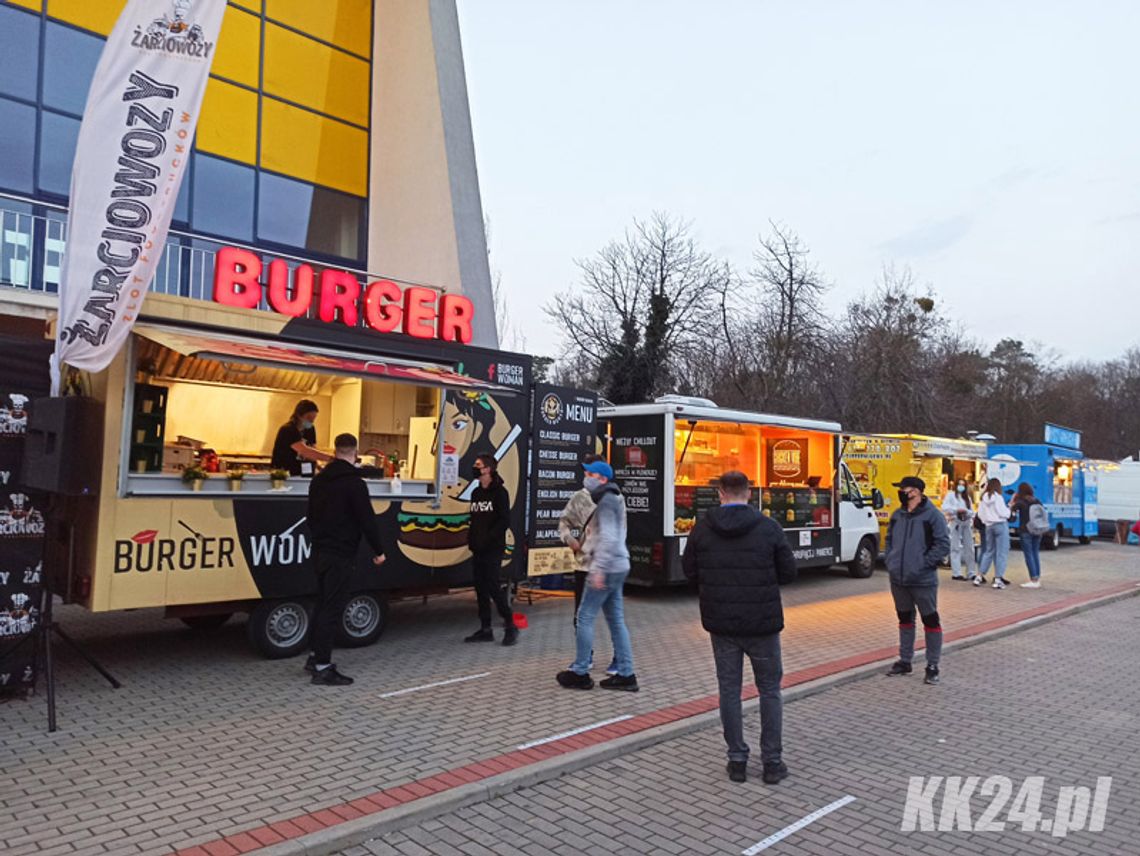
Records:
x=490, y=517
x=604, y=550
x=917, y=541
x=340, y=511
x=739, y=559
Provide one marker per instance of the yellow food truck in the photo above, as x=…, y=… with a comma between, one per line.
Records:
x=880, y=460
x=206, y=382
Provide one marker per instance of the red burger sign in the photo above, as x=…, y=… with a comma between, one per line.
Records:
x=382, y=304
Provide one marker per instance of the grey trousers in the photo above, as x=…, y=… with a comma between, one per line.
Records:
x=768, y=671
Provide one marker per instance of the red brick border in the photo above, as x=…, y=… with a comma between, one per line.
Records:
x=263, y=836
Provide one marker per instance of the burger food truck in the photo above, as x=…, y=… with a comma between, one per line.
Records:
x=1060, y=477
x=881, y=460
x=668, y=455
x=205, y=384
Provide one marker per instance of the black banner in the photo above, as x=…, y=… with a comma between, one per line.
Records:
x=637, y=450
x=23, y=378
x=562, y=433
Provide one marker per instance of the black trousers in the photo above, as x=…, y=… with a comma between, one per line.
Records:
x=334, y=579
x=579, y=587
x=488, y=587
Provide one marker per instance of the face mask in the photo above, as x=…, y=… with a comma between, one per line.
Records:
x=591, y=483
x=961, y=488
x=306, y=424
x=477, y=471
x=904, y=496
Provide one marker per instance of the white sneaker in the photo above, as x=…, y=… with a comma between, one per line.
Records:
x=1031, y=584
x=978, y=580
x=999, y=584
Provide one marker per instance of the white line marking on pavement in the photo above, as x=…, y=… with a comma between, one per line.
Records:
x=395, y=693
x=584, y=728
x=777, y=837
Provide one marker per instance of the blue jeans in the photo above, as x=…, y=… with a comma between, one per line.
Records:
x=607, y=600
x=995, y=549
x=1031, y=549
x=767, y=669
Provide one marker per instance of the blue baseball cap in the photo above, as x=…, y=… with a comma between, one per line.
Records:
x=600, y=468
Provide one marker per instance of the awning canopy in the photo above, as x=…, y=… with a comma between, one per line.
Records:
x=225, y=347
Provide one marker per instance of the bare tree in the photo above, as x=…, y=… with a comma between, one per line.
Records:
x=646, y=304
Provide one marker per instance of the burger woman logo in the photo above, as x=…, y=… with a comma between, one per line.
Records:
x=551, y=409
x=174, y=35
x=788, y=459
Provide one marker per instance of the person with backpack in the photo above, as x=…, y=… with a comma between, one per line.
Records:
x=958, y=508
x=1033, y=523
x=994, y=515
x=917, y=542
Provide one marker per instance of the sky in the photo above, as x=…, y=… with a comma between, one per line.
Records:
x=993, y=146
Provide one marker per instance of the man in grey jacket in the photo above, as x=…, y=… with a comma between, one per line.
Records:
x=606, y=560
x=917, y=542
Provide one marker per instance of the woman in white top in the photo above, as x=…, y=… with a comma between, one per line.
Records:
x=958, y=507
x=994, y=514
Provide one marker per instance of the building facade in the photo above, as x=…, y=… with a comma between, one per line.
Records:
x=335, y=133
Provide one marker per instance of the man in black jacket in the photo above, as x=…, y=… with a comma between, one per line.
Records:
x=739, y=559
x=339, y=513
x=487, y=538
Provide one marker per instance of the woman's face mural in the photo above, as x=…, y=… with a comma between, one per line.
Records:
x=474, y=424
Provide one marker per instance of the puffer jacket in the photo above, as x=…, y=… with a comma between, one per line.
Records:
x=604, y=550
x=917, y=541
x=739, y=559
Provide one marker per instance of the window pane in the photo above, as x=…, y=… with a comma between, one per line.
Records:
x=316, y=75
x=239, y=47
x=223, y=198
x=58, y=136
x=91, y=15
x=228, y=126
x=311, y=218
x=18, y=144
x=301, y=144
x=19, y=52
x=70, y=58
x=182, y=203
x=344, y=23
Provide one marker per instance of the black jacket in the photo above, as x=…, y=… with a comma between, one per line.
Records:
x=739, y=559
x=490, y=517
x=340, y=511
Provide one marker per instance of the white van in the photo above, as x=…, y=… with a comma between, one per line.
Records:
x=1119, y=493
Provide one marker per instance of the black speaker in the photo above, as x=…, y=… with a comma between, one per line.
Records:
x=63, y=452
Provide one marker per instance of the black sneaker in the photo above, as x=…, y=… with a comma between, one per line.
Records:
x=931, y=675
x=775, y=773
x=510, y=636
x=311, y=664
x=484, y=635
x=620, y=682
x=330, y=677
x=573, y=681
x=900, y=668
x=738, y=771
x=959, y=579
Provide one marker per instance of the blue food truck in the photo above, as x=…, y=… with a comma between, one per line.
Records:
x=1057, y=472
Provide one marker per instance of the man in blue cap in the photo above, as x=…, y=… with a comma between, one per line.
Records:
x=606, y=561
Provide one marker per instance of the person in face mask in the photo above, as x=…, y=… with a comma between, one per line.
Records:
x=487, y=538
x=917, y=542
x=294, y=449
x=958, y=509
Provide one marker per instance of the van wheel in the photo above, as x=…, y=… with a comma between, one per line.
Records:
x=1052, y=540
x=863, y=565
x=206, y=622
x=279, y=628
x=363, y=620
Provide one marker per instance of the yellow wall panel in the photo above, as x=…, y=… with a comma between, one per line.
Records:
x=228, y=126
x=96, y=15
x=315, y=75
x=238, y=46
x=34, y=5
x=310, y=147
x=254, y=5
x=345, y=23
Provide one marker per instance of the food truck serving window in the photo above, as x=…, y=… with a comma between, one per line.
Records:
x=797, y=470
x=218, y=402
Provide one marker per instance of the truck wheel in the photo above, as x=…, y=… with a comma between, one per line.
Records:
x=1052, y=540
x=206, y=622
x=1084, y=539
x=863, y=565
x=279, y=628
x=364, y=619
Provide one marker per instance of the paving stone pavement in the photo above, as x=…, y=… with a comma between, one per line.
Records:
x=206, y=739
x=1058, y=701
